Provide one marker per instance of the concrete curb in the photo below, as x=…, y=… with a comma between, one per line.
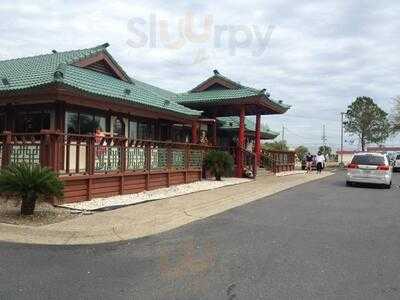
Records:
x=126, y=224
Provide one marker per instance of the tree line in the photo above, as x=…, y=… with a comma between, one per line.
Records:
x=365, y=120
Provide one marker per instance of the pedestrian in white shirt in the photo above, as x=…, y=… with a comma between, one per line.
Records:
x=320, y=161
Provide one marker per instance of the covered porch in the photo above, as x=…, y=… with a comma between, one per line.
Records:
x=219, y=97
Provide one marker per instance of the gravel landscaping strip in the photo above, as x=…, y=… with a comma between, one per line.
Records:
x=177, y=190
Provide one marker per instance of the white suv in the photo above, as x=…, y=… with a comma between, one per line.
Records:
x=369, y=168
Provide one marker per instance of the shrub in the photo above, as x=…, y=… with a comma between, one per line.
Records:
x=219, y=163
x=29, y=183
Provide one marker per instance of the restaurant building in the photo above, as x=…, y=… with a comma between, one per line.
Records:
x=105, y=133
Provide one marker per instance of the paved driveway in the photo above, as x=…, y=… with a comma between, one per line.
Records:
x=321, y=240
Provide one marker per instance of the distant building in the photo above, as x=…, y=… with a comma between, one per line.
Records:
x=347, y=155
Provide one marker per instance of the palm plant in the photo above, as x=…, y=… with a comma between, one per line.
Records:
x=29, y=182
x=220, y=163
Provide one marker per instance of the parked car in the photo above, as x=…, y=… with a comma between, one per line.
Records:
x=396, y=163
x=369, y=168
x=304, y=163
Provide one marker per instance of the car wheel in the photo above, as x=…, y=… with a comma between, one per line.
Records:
x=349, y=183
x=388, y=186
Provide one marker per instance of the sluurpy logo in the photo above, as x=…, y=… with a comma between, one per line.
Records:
x=204, y=37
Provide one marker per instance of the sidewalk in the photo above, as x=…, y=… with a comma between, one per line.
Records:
x=152, y=217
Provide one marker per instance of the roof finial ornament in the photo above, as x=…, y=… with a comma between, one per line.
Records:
x=5, y=81
x=216, y=72
x=59, y=73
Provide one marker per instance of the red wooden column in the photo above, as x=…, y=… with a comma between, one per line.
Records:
x=239, y=155
x=257, y=146
x=195, y=129
x=215, y=132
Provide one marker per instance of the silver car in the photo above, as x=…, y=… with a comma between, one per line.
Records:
x=369, y=168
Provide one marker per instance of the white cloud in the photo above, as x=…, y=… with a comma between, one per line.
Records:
x=320, y=57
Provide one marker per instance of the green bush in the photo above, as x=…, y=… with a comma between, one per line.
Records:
x=219, y=163
x=29, y=183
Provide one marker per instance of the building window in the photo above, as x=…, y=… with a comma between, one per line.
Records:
x=72, y=122
x=87, y=124
x=119, y=127
x=81, y=123
x=33, y=121
x=133, y=134
x=100, y=122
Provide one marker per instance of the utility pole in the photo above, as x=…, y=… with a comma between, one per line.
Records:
x=341, y=138
x=283, y=134
x=324, y=138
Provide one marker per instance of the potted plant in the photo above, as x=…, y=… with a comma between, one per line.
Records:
x=219, y=163
x=29, y=182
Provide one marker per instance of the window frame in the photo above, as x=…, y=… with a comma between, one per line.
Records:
x=78, y=125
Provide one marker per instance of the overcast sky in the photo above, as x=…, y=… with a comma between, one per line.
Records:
x=320, y=55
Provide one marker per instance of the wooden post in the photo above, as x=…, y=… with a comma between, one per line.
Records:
x=215, y=132
x=195, y=128
x=240, y=146
x=169, y=164
x=257, y=146
x=147, y=151
x=186, y=162
x=123, y=147
x=91, y=161
x=7, y=148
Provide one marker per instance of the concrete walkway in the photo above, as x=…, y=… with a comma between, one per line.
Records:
x=152, y=217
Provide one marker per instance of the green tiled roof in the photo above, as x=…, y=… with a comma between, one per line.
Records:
x=233, y=123
x=215, y=95
x=104, y=85
x=154, y=89
x=35, y=71
x=221, y=96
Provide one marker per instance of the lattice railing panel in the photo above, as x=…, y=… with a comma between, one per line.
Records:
x=195, y=159
x=158, y=158
x=29, y=154
x=107, y=158
x=178, y=158
x=135, y=159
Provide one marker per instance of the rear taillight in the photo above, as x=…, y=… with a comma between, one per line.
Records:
x=352, y=166
x=383, y=168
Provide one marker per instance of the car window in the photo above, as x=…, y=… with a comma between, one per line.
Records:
x=398, y=156
x=372, y=160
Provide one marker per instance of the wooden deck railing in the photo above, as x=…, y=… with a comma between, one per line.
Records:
x=73, y=154
x=278, y=161
x=146, y=164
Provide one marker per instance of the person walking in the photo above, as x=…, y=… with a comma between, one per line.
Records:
x=320, y=161
x=309, y=161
